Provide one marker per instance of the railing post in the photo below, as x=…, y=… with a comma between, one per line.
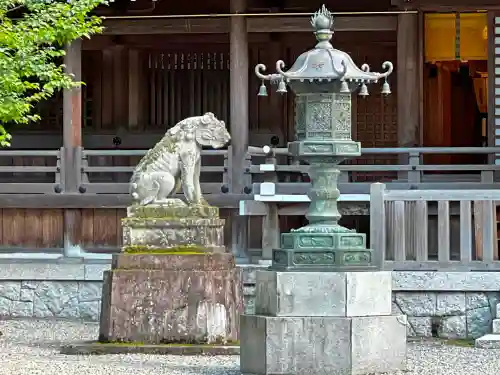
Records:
x=226, y=176
x=414, y=175
x=487, y=176
x=377, y=222
x=84, y=162
x=270, y=222
x=240, y=224
x=61, y=172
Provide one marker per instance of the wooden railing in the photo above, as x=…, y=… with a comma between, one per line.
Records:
x=35, y=179
x=114, y=179
x=290, y=178
x=31, y=171
x=400, y=229
x=42, y=171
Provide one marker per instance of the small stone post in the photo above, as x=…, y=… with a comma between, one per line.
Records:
x=323, y=307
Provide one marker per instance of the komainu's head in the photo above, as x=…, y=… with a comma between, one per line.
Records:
x=206, y=130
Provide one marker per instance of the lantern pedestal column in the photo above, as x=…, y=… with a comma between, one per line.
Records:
x=323, y=244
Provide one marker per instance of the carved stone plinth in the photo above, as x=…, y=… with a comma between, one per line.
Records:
x=311, y=251
x=173, y=227
x=173, y=283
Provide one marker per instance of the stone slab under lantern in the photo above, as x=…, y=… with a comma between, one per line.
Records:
x=322, y=345
x=347, y=294
x=174, y=283
x=319, y=323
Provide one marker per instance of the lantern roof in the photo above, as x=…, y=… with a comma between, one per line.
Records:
x=325, y=63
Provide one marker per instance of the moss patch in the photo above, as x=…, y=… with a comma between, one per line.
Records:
x=172, y=212
x=177, y=250
x=140, y=343
x=466, y=343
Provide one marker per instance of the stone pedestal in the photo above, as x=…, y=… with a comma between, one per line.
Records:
x=322, y=323
x=174, y=282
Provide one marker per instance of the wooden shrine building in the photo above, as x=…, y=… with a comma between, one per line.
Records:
x=64, y=181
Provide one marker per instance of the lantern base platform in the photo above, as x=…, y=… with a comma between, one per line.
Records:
x=325, y=260
x=323, y=251
x=322, y=345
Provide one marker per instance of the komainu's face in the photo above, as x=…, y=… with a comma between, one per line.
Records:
x=221, y=135
x=212, y=132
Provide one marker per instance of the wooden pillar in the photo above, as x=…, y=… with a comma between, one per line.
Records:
x=239, y=93
x=238, y=117
x=72, y=117
x=408, y=67
x=72, y=141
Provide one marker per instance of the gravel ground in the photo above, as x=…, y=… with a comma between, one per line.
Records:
x=29, y=347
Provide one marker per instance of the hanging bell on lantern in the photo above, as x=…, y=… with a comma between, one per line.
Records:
x=344, y=88
x=363, y=91
x=262, y=90
x=386, y=89
x=282, y=87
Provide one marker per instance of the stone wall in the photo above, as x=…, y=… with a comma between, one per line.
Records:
x=49, y=299
x=51, y=290
x=447, y=314
x=445, y=304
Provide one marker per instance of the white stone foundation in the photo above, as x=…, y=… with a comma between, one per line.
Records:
x=446, y=304
x=319, y=323
x=322, y=345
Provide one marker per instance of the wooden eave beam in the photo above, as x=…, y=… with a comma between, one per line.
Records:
x=446, y=5
x=254, y=25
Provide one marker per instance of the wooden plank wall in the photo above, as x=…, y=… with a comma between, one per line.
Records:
x=99, y=228
x=31, y=228
x=95, y=229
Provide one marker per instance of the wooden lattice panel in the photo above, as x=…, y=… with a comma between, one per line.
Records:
x=184, y=84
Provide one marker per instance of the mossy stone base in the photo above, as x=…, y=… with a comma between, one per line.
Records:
x=172, y=211
x=194, y=299
x=198, y=262
x=180, y=235
x=174, y=281
x=97, y=348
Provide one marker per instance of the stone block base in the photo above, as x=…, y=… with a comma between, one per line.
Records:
x=322, y=345
x=161, y=299
x=323, y=293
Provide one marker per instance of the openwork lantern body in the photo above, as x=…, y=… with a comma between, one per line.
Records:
x=323, y=80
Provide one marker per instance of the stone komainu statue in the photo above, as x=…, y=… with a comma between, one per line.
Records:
x=176, y=161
